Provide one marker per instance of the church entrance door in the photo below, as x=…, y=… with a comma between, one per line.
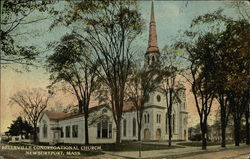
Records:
x=146, y=134
x=158, y=134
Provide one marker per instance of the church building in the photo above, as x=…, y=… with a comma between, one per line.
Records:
x=155, y=122
x=55, y=127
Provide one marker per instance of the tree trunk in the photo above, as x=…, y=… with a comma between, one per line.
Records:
x=169, y=130
x=203, y=126
x=139, y=133
x=86, y=130
x=80, y=107
x=237, y=128
x=35, y=134
x=118, y=131
x=223, y=125
x=247, y=126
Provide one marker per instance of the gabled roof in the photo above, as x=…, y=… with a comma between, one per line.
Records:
x=56, y=116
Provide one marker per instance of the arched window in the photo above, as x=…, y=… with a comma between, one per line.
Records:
x=134, y=127
x=158, y=118
x=145, y=118
x=124, y=127
x=104, y=129
x=45, y=130
x=148, y=118
x=153, y=59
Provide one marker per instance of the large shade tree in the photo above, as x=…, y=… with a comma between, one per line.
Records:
x=110, y=28
x=170, y=84
x=70, y=63
x=33, y=102
x=232, y=62
x=142, y=82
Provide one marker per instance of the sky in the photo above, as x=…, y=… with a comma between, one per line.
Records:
x=172, y=17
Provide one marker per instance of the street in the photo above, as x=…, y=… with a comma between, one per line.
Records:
x=242, y=153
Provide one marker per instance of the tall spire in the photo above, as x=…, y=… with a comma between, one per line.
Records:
x=152, y=41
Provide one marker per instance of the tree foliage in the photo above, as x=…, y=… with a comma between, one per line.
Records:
x=223, y=56
x=141, y=83
x=110, y=28
x=33, y=102
x=70, y=63
x=170, y=84
x=16, y=14
x=20, y=127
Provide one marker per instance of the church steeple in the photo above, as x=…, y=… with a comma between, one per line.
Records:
x=152, y=53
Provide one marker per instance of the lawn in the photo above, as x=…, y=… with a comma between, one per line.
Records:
x=133, y=146
x=197, y=144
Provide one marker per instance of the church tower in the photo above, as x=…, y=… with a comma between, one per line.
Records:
x=152, y=54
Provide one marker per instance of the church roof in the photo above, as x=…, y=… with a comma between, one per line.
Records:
x=57, y=116
x=52, y=115
x=152, y=41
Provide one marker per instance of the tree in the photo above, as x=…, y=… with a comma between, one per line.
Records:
x=232, y=63
x=141, y=83
x=70, y=63
x=20, y=127
x=201, y=75
x=110, y=28
x=33, y=102
x=16, y=14
x=170, y=68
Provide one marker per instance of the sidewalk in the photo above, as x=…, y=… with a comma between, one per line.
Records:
x=172, y=153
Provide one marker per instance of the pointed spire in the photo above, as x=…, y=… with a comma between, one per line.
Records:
x=152, y=41
x=152, y=18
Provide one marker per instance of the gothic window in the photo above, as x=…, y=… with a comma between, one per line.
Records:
x=75, y=131
x=124, y=127
x=145, y=118
x=158, y=118
x=153, y=59
x=134, y=127
x=45, y=130
x=158, y=98
x=104, y=129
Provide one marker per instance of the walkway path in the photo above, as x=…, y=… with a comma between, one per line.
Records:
x=174, y=153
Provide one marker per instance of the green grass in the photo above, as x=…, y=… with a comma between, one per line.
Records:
x=197, y=144
x=132, y=146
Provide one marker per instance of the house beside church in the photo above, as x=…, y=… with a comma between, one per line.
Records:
x=58, y=127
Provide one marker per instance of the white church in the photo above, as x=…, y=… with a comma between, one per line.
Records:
x=59, y=127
